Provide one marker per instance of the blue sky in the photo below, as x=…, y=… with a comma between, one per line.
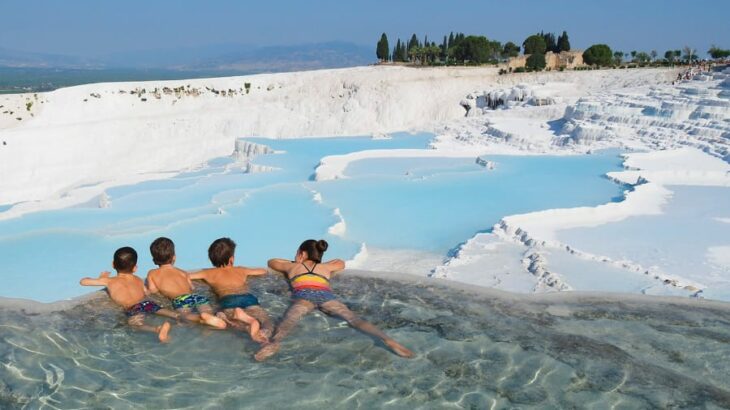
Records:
x=96, y=27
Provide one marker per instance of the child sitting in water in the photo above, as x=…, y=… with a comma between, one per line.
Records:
x=175, y=285
x=229, y=283
x=309, y=280
x=128, y=291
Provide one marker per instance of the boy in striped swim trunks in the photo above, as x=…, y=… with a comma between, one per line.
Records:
x=128, y=291
x=240, y=308
x=174, y=284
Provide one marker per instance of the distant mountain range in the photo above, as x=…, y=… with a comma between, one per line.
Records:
x=14, y=58
x=224, y=57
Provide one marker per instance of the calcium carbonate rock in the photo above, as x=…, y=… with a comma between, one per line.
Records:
x=246, y=149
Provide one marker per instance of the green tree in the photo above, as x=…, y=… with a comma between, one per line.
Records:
x=642, y=58
x=510, y=49
x=669, y=56
x=618, y=56
x=413, y=42
x=550, y=43
x=396, y=51
x=689, y=54
x=718, y=53
x=633, y=55
x=383, y=49
x=535, y=62
x=598, y=54
x=563, y=42
x=654, y=54
x=476, y=49
x=535, y=44
x=677, y=54
x=444, y=49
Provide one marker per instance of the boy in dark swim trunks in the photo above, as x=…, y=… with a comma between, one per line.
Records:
x=229, y=283
x=128, y=291
x=174, y=284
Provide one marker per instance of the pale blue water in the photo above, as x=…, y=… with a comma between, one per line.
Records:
x=413, y=204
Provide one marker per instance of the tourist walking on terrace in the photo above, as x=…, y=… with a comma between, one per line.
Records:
x=309, y=280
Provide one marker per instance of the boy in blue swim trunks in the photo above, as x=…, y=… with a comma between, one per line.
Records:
x=174, y=284
x=229, y=283
x=128, y=291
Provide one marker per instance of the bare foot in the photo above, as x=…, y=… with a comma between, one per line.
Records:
x=237, y=325
x=213, y=321
x=266, y=351
x=260, y=337
x=398, y=349
x=163, y=332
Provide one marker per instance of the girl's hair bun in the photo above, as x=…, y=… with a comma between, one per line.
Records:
x=322, y=245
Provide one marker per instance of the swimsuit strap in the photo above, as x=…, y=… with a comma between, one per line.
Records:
x=309, y=272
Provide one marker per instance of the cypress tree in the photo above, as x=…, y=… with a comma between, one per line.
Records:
x=563, y=42
x=550, y=44
x=444, y=47
x=413, y=42
x=383, y=49
x=451, y=41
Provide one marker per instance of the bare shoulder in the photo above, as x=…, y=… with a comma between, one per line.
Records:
x=335, y=265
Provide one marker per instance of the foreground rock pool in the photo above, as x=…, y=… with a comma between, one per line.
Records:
x=475, y=349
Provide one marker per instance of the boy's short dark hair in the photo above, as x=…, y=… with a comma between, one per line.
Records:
x=162, y=250
x=221, y=251
x=125, y=259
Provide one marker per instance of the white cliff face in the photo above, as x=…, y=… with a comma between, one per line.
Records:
x=101, y=133
x=246, y=150
x=115, y=132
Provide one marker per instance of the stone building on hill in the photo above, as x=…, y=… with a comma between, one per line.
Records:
x=553, y=61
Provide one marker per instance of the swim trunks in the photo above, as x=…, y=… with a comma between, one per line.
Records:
x=242, y=300
x=189, y=301
x=315, y=296
x=143, y=307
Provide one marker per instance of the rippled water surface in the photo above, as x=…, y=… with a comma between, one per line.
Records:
x=473, y=351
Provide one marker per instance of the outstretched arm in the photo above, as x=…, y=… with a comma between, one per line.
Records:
x=197, y=275
x=335, y=265
x=280, y=265
x=102, y=280
x=255, y=271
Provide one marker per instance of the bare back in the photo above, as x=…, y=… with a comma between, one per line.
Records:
x=126, y=289
x=228, y=280
x=296, y=269
x=170, y=281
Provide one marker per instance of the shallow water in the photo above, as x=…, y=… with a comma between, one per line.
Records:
x=473, y=351
x=693, y=212
x=428, y=206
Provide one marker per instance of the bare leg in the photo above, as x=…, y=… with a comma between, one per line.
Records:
x=253, y=326
x=258, y=313
x=337, y=308
x=296, y=311
x=137, y=322
x=168, y=313
x=207, y=317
